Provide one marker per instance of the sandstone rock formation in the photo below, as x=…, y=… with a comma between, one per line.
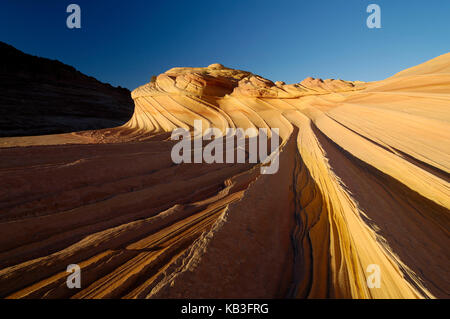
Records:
x=363, y=180
x=217, y=80
x=41, y=96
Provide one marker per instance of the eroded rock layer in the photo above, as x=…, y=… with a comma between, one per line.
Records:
x=363, y=182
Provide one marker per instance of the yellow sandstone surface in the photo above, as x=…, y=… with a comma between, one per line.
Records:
x=363, y=180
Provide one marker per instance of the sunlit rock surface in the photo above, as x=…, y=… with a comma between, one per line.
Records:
x=363, y=180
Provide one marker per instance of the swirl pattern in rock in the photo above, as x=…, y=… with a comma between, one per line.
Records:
x=363, y=180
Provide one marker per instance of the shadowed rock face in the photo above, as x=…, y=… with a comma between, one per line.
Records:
x=363, y=181
x=41, y=96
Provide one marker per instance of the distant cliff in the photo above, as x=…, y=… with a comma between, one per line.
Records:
x=42, y=96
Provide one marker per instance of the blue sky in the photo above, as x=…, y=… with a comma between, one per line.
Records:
x=126, y=42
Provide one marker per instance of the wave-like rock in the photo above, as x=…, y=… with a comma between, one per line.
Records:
x=363, y=180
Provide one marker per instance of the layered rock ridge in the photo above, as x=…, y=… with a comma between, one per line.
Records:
x=363, y=185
